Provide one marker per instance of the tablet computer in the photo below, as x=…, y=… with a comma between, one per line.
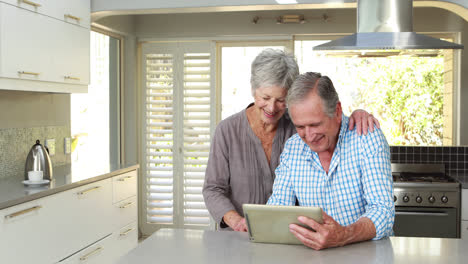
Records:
x=270, y=223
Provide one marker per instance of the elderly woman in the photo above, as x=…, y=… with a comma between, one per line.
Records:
x=246, y=146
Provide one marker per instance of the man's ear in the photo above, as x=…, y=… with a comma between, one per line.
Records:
x=338, y=110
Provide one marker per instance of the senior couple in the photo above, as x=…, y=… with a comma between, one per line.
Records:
x=310, y=154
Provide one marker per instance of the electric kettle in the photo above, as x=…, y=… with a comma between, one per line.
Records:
x=38, y=160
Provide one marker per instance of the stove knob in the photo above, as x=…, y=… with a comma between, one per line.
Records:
x=405, y=198
x=431, y=199
x=394, y=198
x=444, y=199
x=418, y=199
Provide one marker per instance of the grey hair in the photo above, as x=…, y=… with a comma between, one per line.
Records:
x=311, y=81
x=273, y=67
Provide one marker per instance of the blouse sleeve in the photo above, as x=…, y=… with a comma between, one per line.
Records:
x=216, y=190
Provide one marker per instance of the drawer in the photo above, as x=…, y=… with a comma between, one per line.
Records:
x=86, y=215
x=125, y=212
x=99, y=252
x=25, y=226
x=124, y=240
x=124, y=186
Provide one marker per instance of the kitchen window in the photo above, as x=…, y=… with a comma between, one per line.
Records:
x=410, y=92
x=95, y=116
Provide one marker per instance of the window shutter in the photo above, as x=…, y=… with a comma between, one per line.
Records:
x=159, y=137
x=178, y=105
x=196, y=135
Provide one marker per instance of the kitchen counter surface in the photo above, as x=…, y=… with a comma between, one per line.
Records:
x=13, y=191
x=196, y=246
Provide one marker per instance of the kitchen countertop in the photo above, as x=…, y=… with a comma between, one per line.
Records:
x=197, y=246
x=13, y=191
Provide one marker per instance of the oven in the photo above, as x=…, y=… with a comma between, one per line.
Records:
x=427, y=201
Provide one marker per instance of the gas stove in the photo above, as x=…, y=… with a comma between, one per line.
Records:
x=427, y=201
x=425, y=185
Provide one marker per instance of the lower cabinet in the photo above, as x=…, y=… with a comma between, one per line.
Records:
x=81, y=225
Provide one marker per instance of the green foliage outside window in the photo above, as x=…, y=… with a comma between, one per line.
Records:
x=405, y=94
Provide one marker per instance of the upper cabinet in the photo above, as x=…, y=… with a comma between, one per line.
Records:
x=44, y=45
x=72, y=11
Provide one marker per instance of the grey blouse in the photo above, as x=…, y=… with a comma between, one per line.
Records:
x=238, y=171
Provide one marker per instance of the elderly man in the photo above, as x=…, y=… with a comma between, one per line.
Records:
x=327, y=165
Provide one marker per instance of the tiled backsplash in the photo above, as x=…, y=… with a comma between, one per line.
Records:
x=15, y=144
x=454, y=158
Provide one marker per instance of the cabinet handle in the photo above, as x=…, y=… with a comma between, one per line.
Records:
x=72, y=78
x=127, y=231
x=31, y=3
x=97, y=250
x=72, y=17
x=89, y=190
x=34, y=208
x=126, y=178
x=125, y=205
x=29, y=73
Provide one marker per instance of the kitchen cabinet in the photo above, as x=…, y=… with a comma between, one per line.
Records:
x=464, y=215
x=79, y=225
x=76, y=12
x=39, y=52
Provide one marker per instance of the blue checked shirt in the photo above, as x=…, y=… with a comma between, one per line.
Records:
x=359, y=182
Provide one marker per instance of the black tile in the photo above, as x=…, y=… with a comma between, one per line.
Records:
x=445, y=157
x=431, y=150
x=402, y=150
x=460, y=158
x=446, y=150
x=431, y=158
x=394, y=157
x=417, y=157
x=417, y=150
x=424, y=150
x=438, y=150
x=453, y=150
x=460, y=150
x=460, y=166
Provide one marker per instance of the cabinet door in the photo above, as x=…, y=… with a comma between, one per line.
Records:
x=72, y=11
x=36, y=47
x=25, y=44
x=464, y=204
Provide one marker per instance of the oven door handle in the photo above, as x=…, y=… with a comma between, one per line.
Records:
x=422, y=213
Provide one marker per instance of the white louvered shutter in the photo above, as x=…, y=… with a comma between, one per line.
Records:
x=178, y=125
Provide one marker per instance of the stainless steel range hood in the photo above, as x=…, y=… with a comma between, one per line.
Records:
x=386, y=24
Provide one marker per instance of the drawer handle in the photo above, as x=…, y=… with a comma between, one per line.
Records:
x=127, y=231
x=125, y=205
x=89, y=190
x=97, y=250
x=31, y=3
x=25, y=211
x=71, y=78
x=72, y=17
x=29, y=73
x=126, y=178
